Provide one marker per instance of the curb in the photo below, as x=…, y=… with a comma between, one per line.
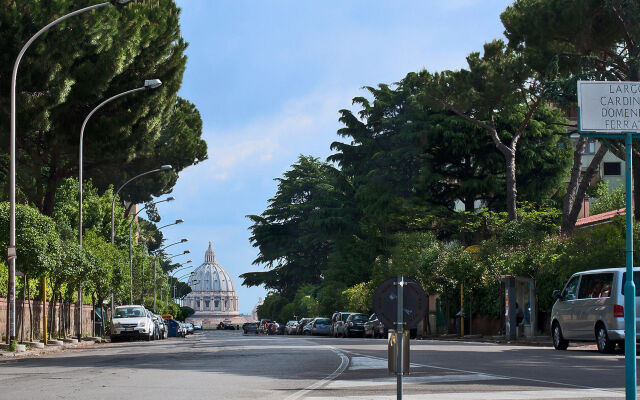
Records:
x=53, y=346
x=541, y=341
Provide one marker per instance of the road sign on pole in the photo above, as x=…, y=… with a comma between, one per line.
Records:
x=385, y=303
x=399, y=304
x=612, y=109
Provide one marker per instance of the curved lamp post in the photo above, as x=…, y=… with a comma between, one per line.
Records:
x=179, y=254
x=148, y=84
x=155, y=279
x=172, y=244
x=175, y=284
x=115, y=195
x=131, y=247
x=171, y=275
x=178, y=221
x=113, y=205
x=11, y=251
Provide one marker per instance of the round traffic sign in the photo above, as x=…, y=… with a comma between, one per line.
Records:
x=385, y=303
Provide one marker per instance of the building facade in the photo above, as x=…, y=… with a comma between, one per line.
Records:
x=213, y=295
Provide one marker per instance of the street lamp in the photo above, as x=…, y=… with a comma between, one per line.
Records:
x=11, y=251
x=172, y=244
x=113, y=205
x=175, y=284
x=179, y=254
x=148, y=84
x=178, y=221
x=171, y=275
x=131, y=249
x=155, y=268
x=115, y=195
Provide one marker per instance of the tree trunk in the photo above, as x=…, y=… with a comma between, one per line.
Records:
x=512, y=191
x=24, y=295
x=50, y=192
x=93, y=314
x=30, y=312
x=574, y=177
x=102, y=319
x=570, y=215
x=52, y=314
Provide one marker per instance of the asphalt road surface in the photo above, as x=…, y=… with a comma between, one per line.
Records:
x=230, y=365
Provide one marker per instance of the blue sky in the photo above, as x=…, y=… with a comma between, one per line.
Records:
x=269, y=78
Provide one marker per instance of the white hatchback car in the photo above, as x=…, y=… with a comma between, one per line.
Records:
x=132, y=321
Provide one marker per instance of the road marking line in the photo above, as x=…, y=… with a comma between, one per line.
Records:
x=344, y=363
x=341, y=384
x=495, y=395
x=365, y=362
x=502, y=376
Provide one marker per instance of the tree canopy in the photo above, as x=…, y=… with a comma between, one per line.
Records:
x=74, y=67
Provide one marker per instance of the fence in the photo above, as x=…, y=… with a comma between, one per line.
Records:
x=62, y=323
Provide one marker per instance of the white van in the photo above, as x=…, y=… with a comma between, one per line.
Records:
x=591, y=308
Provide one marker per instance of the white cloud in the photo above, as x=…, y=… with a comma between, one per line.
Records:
x=304, y=125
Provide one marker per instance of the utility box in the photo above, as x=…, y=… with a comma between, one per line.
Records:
x=392, y=353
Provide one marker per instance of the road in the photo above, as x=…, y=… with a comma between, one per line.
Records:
x=229, y=365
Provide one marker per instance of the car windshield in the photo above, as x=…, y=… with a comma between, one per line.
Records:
x=128, y=312
x=359, y=318
x=345, y=316
x=322, y=321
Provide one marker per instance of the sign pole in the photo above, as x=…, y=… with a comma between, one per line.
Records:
x=608, y=109
x=629, y=286
x=399, y=335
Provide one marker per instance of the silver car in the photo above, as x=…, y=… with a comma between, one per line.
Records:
x=591, y=308
x=320, y=326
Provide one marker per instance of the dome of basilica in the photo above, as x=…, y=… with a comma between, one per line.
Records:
x=210, y=276
x=212, y=291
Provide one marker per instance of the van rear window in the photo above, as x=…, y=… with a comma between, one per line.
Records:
x=636, y=281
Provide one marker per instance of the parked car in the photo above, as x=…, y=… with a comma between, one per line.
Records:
x=306, y=330
x=189, y=327
x=291, y=328
x=248, y=327
x=354, y=325
x=197, y=326
x=337, y=323
x=374, y=327
x=130, y=322
x=590, y=307
x=161, y=327
x=320, y=326
x=301, y=324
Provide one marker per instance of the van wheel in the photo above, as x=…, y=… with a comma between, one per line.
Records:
x=605, y=345
x=559, y=343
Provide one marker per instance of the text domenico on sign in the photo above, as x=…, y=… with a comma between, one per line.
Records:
x=609, y=106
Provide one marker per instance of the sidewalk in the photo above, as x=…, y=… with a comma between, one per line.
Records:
x=544, y=341
x=49, y=348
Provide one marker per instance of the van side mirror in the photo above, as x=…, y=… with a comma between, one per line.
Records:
x=557, y=294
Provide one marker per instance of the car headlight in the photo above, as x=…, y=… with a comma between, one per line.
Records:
x=116, y=324
x=142, y=323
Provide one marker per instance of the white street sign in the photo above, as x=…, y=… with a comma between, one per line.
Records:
x=609, y=106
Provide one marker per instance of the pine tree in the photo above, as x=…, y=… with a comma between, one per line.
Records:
x=71, y=69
